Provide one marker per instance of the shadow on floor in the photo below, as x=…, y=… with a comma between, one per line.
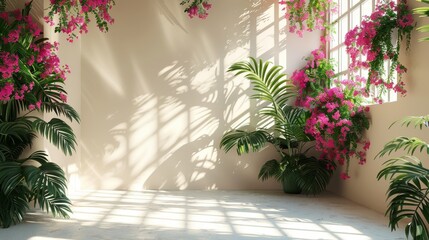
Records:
x=205, y=215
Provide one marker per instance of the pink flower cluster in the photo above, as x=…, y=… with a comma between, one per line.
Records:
x=25, y=64
x=337, y=119
x=74, y=15
x=313, y=78
x=197, y=8
x=370, y=44
x=307, y=15
x=333, y=125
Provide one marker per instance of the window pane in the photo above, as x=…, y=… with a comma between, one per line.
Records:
x=344, y=28
x=335, y=36
x=343, y=6
x=344, y=59
x=367, y=8
x=355, y=18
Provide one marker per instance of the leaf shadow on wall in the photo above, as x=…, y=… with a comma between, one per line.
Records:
x=155, y=107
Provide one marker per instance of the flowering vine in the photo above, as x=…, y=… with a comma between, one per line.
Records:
x=370, y=45
x=74, y=15
x=196, y=8
x=313, y=78
x=337, y=118
x=29, y=66
x=308, y=15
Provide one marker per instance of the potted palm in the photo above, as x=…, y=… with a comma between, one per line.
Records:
x=285, y=131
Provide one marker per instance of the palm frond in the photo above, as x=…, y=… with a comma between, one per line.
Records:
x=15, y=131
x=408, y=193
x=61, y=109
x=271, y=168
x=13, y=206
x=416, y=121
x=10, y=176
x=268, y=82
x=314, y=175
x=48, y=185
x=4, y=153
x=293, y=126
x=244, y=141
x=15, y=137
x=410, y=145
x=423, y=12
x=57, y=132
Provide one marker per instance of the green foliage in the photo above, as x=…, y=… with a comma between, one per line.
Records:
x=269, y=85
x=410, y=145
x=315, y=174
x=271, y=169
x=408, y=183
x=57, y=132
x=423, y=12
x=33, y=178
x=244, y=141
x=27, y=176
x=2, y=5
x=287, y=135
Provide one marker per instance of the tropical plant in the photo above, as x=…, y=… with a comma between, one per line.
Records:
x=31, y=81
x=281, y=126
x=408, y=192
x=423, y=12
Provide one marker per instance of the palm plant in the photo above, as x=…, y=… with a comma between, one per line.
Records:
x=30, y=177
x=281, y=126
x=408, y=191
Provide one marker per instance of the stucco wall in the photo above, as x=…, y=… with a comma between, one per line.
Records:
x=156, y=97
x=363, y=186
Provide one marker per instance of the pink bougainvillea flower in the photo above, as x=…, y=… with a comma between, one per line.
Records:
x=305, y=15
x=368, y=45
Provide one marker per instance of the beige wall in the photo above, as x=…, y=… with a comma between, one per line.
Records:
x=363, y=186
x=69, y=54
x=156, y=97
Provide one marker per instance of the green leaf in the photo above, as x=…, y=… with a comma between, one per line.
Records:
x=408, y=194
x=58, y=133
x=13, y=206
x=271, y=168
x=314, y=174
x=410, y=145
x=244, y=141
x=269, y=84
x=48, y=187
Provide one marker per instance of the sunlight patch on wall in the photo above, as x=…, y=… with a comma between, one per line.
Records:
x=158, y=105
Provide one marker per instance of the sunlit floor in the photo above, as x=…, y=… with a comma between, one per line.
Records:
x=205, y=215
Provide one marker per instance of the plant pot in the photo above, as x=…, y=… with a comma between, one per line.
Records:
x=290, y=184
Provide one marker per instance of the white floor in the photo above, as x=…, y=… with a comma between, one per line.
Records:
x=205, y=215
